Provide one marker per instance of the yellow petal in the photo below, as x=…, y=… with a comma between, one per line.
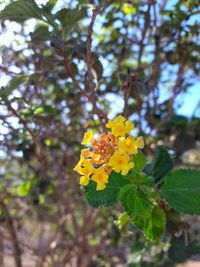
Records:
x=78, y=166
x=140, y=142
x=129, y=125
x=109, y=124
x=86, y=153
x=100, y=186
x=84, y=180
x=87, y=137
x=126, y=169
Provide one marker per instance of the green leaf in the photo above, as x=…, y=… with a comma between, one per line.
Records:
x=13, y=84
x=180, y=252
x=24, y=189
x=50, y=5
x=40, y=34
x=160, y=165
x=38, y=111
x=109, y=195
x=70, y=16
x=139, y=161
x=155, y=225
x=182, y=191
x=134, y=201
x=178, y=120
x=146, y=180
x=46, y=109
x=128, y=9
x=122, y=221
x=151, y=220
x=21, y=10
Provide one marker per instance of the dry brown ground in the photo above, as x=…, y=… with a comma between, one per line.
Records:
x=8, y=262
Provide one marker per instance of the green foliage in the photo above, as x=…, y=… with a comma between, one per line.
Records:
x=108, y=196
x=182, y=191
x=136, y=254
x=155, y=225
x=148, y=218
x=21, y=10
x=24, y=189
x=70, y=16
x=139, y=162
x=46, y=109
x=122, y=221
x=13, y=84
x=128, y=9
x=48, y=104
x=134, y=201
x=179, y=251
x=41, y=34
x=160, y=165
x=178, y=120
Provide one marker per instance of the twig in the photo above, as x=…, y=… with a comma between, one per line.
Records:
x=144, y=31
x=1, y=247
x=39, y=151
x=92, y=96
x=13, y=234
x=88, y=49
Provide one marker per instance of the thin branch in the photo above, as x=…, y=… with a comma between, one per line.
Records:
x=92, y=96
x=144, y=31
x=88, y=48
x=13, y=234
x=39, y=150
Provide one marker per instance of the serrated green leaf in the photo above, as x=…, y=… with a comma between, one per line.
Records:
x=146, y=180
x=134, y=201
x=21, y=10
x=155, y=225
x=160, y=165
x=182, y=191
x=109, y=195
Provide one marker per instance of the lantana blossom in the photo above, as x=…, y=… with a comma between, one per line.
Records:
x=112, y=151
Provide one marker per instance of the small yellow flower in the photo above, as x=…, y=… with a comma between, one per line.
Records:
x=120, y=163
x=110, y=152
x=84, y=168
x=100, y=177
x=119, y=126
x=118, y=119
x=87, y=137
x=128, y=145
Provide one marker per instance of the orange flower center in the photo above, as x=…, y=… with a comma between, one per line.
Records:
x=105, y=147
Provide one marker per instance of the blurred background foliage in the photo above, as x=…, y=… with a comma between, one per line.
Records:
x=67, y=66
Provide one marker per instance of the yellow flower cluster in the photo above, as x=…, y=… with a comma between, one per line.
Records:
x=112, y=151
